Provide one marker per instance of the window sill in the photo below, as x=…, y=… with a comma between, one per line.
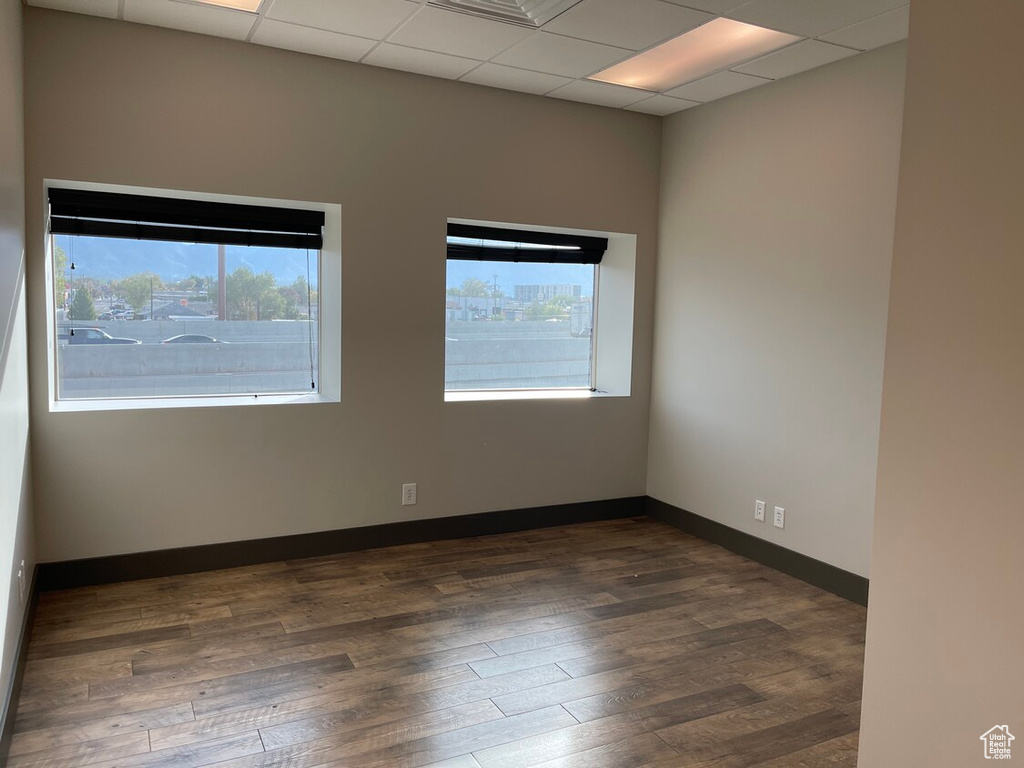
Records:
x=155, y=403
x=474, y=395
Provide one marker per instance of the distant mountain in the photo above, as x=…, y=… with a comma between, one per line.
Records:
x=107, y=258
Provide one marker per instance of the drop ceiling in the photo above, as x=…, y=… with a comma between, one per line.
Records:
x=532, y=51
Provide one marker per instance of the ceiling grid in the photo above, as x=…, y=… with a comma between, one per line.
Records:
x=543, y=47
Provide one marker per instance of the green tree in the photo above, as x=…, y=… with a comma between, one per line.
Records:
x=559, y=306
x=290, y=302
x=297, y=298
x=82, y=307
x=137, y=290
x=60, y=275
x=271, y=305
x=309, y=296
x=253, y=297
x=203, y=286
x=91, y=285
x=475, y=287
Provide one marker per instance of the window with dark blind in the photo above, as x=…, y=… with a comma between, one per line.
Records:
x=520, y=308
x=171, y=297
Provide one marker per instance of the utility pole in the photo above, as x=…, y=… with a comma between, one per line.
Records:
x=150, y=297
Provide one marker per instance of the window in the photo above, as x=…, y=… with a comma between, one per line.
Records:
x=159, y=297
x=520, y=309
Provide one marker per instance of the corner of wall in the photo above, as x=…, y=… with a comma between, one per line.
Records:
x=771, y=303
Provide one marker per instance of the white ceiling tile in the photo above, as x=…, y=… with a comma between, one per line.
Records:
x=874, y=33
x=716, y=86
x=320, y=42
x=204, y=19
x=459, y=34
x=557, y=55
x=423, y=62
x=599, y=93
x=637, y=24
x=811, y=17
x=662, y=105
x=797, y=58
x=362, y=18
x=711, y=6
x=514, y=79
x=106, y=8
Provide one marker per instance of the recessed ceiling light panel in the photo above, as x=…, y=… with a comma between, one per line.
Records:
x=709, y=48
x=530, y=13
x=251, y=6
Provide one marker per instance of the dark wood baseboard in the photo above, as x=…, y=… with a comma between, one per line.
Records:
x=21, y=656
x=843, y=583
x=210, y=557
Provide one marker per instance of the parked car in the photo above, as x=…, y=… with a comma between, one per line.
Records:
x=91, y=336
x=192, y=338
x=118, y=314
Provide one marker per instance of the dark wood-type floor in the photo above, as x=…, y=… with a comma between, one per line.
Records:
x=618, y=644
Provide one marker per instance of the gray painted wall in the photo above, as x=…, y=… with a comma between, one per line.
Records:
x=116, y=103
x=777, y=214
x=945, y=625
x=15, y=487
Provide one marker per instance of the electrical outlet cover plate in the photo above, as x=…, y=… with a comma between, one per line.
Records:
x=759, y=510
x=780, y=517
x=408, y=494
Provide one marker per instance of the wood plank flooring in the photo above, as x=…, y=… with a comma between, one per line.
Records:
x=617, y=644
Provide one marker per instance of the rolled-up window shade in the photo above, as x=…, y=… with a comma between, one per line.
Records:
x=477, y=243
x=141, y=217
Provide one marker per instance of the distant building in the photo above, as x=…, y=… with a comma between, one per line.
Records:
x=465, y=308
x=528, y=294
x=170, y=311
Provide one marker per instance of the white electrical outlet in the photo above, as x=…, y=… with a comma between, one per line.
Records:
x=408, y=494
x=780, y=517
x=21, y=582
x=759, y=510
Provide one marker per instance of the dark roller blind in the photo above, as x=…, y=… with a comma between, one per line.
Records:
x=142, y=217
x=479, y=243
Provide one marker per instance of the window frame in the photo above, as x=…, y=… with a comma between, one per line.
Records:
x=612, y=322
x=329, y=313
